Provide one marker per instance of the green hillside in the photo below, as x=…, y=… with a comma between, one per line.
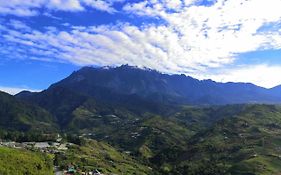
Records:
x=248, y=143
x=19, y=162
x=232, y=139
x=98, y=155
x=184, y=140
x=21, y=116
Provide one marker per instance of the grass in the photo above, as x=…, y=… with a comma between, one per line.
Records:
x=97, y=155
x=20, y=162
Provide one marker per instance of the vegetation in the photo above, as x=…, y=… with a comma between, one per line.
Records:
x=248, y=143
x=29, y=136
x=122, y=138
x=98, y=155
x=22, y=116
x=19, y=162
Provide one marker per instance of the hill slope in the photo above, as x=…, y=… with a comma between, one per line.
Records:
x=99, y=155
x=22, y=116
x=231, y=139
x=246, y=143
x=18, y=162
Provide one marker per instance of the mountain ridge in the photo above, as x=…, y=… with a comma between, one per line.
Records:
x=164, y=88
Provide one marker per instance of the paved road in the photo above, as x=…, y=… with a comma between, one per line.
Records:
x=57, y=171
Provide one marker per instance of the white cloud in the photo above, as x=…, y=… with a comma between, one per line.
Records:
x=100, y=5
x=65, y=5
x=15, y=90
x=174, y=4
x=34, y=7
x=219, y=31
x=262, y=75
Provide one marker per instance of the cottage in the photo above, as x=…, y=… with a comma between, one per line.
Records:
x=42, y=145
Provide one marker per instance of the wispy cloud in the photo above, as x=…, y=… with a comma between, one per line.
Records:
x=195, y=37
x=19, y=25
x=220, y=31
x=100, y=5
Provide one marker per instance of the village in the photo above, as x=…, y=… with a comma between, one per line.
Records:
x=51, y=148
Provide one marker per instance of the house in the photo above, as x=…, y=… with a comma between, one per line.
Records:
x=62, y=147
x=9, y=144
x=96, y=172
x=71, y=170
x=42, y=145
x=59, y=138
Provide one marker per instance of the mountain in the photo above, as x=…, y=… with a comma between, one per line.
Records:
x=127, y=83
x=135, y=92
x=22, y=116
x=148, y=122
x=151, y=85
x=276, y=90
x=174, y=139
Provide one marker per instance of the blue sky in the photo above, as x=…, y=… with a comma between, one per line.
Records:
x=43, y=41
